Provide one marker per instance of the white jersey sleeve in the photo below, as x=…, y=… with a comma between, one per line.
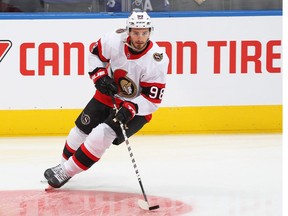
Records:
x=101, y=52
x=153, y=82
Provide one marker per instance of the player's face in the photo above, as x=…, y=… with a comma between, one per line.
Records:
x=139, y=37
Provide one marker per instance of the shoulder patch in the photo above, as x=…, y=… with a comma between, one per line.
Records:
x=158, y=56
x=121, y=30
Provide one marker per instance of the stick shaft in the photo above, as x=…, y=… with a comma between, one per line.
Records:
x=133, y=161
x=130, y=153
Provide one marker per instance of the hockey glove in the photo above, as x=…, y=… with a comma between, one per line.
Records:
x=126, y=112
x=103, y=83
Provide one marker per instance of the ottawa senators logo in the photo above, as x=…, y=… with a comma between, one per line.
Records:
x=85, y=119
x=127, y=87
x=158, y=56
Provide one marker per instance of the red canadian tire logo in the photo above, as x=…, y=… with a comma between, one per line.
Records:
x=5, y=46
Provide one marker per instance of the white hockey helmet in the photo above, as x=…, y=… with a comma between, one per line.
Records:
x=139, y=19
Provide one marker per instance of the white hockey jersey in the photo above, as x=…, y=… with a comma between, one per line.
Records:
x=141, y=78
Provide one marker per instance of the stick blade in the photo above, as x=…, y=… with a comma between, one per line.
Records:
x=145, y=206
x=154, y=207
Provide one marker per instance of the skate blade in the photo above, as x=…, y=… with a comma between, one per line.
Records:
x=49, y=188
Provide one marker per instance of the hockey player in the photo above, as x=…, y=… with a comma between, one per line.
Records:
x=128, y=66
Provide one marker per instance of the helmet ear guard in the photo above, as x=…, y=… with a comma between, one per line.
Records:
x=139, y=19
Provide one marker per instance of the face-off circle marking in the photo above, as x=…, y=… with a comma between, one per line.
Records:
x=76, y=202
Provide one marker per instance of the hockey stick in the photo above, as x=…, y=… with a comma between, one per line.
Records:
x=143, y=204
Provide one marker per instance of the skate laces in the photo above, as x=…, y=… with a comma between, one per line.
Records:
x=56, y=168
x=60, y=175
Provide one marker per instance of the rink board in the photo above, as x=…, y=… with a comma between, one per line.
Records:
x=225, y=77
x=228, y=119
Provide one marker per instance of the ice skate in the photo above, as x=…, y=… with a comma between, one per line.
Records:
x=49, y=173
x=58, y=179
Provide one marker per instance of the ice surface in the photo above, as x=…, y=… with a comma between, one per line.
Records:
x=205, y=175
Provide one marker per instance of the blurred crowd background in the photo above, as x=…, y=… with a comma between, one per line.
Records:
x=96, y=6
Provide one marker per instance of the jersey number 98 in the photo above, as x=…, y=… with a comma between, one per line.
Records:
x=153, y=93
